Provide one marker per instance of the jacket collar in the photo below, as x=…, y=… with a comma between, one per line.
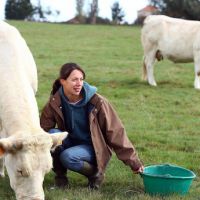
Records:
x=97, y=101
x=55, y=102
x=56, y=98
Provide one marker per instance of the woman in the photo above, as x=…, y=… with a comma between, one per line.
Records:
x=93, y=126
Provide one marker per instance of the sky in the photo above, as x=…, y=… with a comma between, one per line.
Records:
x=67, y=8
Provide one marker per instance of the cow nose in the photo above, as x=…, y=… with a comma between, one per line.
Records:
x=37, y=199
x=31, y=198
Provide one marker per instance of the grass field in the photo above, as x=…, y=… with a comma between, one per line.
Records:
x=162, y=122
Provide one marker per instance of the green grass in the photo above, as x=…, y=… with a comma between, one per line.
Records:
x=162, y=122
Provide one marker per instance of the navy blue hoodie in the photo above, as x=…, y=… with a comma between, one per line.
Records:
x=76, y=116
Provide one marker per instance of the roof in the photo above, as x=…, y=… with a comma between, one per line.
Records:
x=148, y=8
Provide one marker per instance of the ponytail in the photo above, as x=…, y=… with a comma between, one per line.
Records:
x=56, y=86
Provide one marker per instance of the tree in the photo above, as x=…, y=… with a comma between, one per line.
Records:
x=188, y=9
x=79, y=9
x=40, y=13
x=93, y=11
x=117, y=13
x=18, y=9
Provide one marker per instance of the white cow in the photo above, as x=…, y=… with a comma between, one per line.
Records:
x=175, y=39
x=25, y=145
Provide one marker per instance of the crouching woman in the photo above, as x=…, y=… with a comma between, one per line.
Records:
x=94, y=128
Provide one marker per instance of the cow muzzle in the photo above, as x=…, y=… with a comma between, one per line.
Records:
x=24, y=197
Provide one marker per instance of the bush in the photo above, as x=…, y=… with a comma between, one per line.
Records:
x=18, y=9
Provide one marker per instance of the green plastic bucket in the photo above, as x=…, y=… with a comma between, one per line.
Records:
x=167, y=179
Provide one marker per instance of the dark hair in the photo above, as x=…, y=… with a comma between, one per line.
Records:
x=65, y=71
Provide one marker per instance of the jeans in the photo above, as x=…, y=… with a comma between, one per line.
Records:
x=73, y=155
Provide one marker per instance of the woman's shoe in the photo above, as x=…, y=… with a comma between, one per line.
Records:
x=61, y=181
x=95, y=181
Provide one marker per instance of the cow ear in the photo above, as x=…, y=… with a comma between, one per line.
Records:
x=57, y=138
x=2, y=151
x=2, y=147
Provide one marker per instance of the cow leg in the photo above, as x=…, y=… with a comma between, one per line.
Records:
x=149, y=63
x=1, y=159
x=197, y=72
x=197, y=80
x=2, y=167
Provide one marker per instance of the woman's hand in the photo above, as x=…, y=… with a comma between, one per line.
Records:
x=140, y=170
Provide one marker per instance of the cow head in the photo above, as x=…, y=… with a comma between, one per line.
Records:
x=27, y=160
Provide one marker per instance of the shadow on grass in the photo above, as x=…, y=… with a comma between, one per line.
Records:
x=112, y=188
x=121, y=190
x=128, y=83
x=173, y=84
x=138, y=83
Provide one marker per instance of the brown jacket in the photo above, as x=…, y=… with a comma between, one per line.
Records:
x=107, y=131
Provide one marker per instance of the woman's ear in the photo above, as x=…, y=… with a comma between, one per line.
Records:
x=62, y=81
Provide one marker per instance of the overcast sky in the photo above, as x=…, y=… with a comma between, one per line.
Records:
x=67, y=8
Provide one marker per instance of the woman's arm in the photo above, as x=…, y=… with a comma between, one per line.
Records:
x=47, y=119
x=116, y=137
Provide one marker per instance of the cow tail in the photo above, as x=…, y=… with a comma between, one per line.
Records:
x=144, y=75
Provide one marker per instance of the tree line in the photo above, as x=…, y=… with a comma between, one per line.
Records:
x=187, y=9
x=24, y=10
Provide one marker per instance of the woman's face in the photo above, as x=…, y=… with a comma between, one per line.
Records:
x=73, y=84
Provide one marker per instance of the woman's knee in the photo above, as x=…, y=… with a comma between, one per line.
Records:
x=70, y=161
x=54, y=130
